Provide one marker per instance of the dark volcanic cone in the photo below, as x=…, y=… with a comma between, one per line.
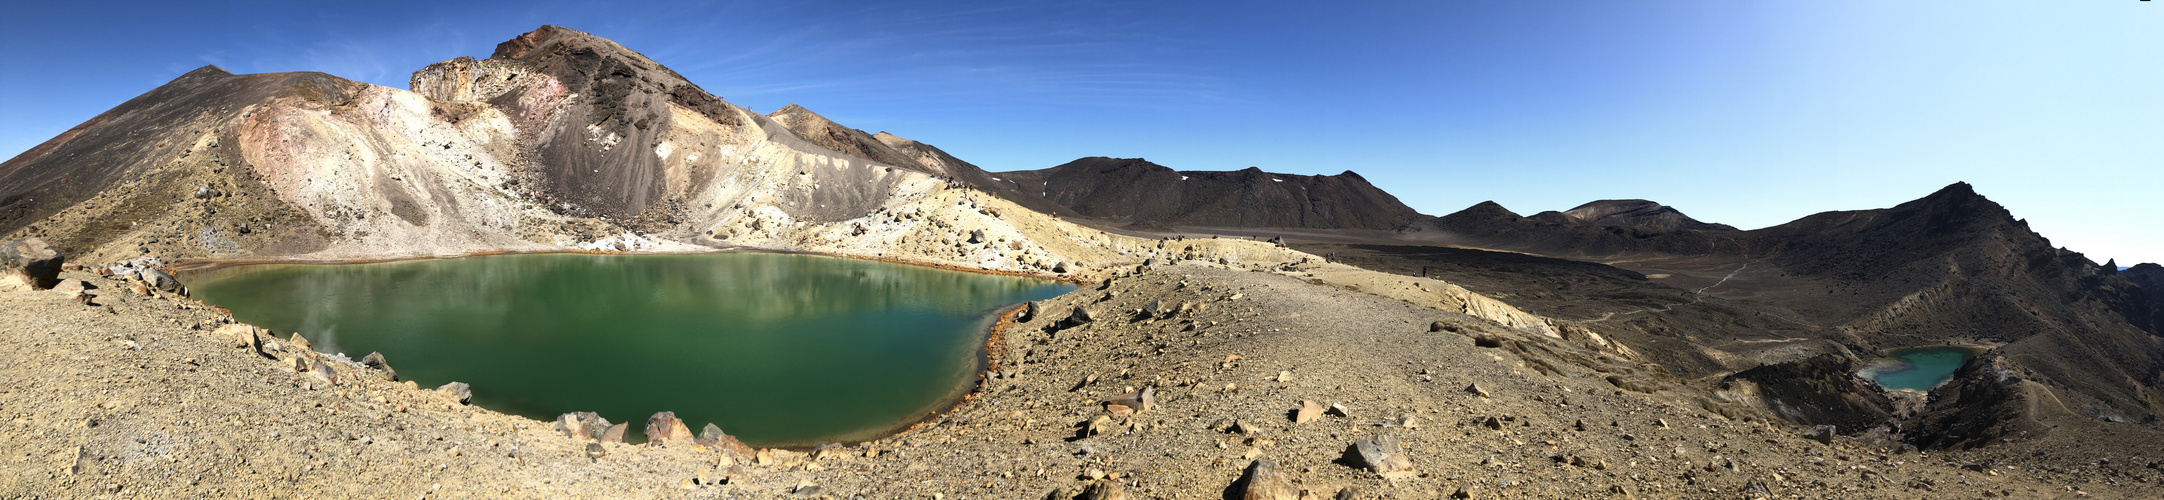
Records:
x=1133, y=190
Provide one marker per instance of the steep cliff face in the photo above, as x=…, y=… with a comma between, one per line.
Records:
x=1133, y=190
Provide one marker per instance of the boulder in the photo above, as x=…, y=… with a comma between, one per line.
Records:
x=615, y=434
x=1155, y=309
x=1264, y=480
x=301, y=343
x=28, y=263
x=583, y=425
x=712, y=438
x=1060, y=268
x=163, y=282
x=374, y=361
x=319, y=370
x=1383, y=455
x=1476, y=390
x=664, y=427
x=458, y=391
x=1029, y=312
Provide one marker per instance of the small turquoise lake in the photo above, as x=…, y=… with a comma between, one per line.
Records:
x=1918, y=368
x=779, y=350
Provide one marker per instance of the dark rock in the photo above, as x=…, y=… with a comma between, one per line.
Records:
x=1476, y=390
x=664, y=427
x=459, y=391
x=976, y=236
x=1383, y=455
x=1153, y=310
x=1819, y=390
x=594, y=451
x=1264, y=480
x=1029, y=312
x=374, y=361
x=1487, y=340
x=29, y=263
x=1079, y=317
x=1060, y=268
x=1436, y=326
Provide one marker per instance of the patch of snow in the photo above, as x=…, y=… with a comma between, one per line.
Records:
x=1277, y=179
x=1183, y=177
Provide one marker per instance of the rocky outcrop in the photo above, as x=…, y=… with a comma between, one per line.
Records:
x=29, y=264
x=1819, y=390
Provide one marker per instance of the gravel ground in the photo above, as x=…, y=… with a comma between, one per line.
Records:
x=141, y=396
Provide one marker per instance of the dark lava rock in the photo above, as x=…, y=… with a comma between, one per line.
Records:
x=1079, y=317
x=1823, y=434
x=29, y=261
x=1134, y=190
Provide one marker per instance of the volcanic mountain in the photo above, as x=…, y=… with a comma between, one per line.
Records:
x=1950, y=268
x=559, y=140
x=1135, y=191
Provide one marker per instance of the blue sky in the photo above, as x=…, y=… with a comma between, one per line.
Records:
x=1750, y=113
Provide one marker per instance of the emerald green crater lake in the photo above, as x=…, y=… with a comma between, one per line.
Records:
x=1918, y=368
x=778, y=350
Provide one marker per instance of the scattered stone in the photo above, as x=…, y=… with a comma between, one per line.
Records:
x=1060, y=268
x=319, y=370
x=664, y=427
x=1284, y=376
x=1476, y=390
x=1099, y=425
x=712, y=438
x=1487, y=340
x=1383, y=455
x=1339, y=410
x=1265, y=480
x=28, y=263
x=1029, y=312
x=594, y=451
x=301, y=343
x=804, y=488
x=1079, y=317
x=1104, y=489
x=1242, y=427
x=1408, y=421
x=976, y=236
x=615, y=434
x=1435, y=327
x=374, y=361
x=243, y=335
x=1492, y=423
x=71, y=286
x=1462, y=492
x=458, y=391
x=1139, y=401
x=1822, y=434
x=1307, y=412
